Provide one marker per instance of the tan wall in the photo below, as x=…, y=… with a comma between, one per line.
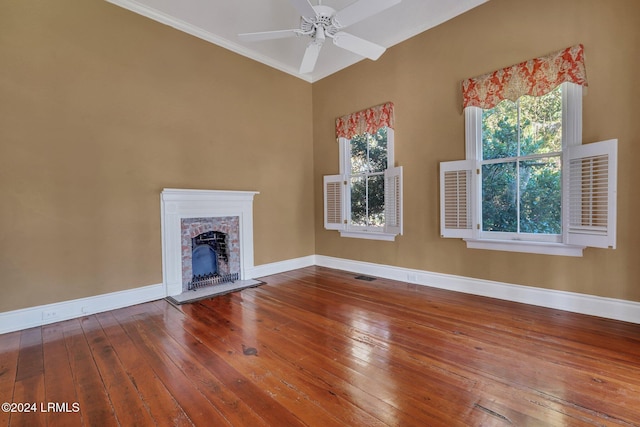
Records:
x=100, y=109
x=422, y=77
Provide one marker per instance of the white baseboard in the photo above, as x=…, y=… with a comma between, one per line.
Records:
x=281, y=266
x=44, y=314
x=611, y=308
x=628, y=311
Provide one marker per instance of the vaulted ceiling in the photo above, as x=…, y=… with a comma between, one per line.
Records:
x=220, y=22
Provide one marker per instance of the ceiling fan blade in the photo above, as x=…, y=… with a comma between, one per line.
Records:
x=310, y=57
x=268, y=35
x=361, y=10
x=304, y=8
x=357, y=45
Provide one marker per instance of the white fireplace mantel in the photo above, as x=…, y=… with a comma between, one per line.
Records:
x=177, y=204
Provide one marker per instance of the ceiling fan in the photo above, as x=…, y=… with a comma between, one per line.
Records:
x=319, y=22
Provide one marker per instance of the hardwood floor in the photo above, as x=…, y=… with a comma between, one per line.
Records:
x=317, y=347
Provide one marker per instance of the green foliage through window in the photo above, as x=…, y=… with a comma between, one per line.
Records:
x=368, y=162
x=521, y=168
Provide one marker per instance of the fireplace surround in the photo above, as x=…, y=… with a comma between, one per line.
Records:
x=192, y=213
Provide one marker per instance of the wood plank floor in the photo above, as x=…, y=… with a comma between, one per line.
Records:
x=317, y=347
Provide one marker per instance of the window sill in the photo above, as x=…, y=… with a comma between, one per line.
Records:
x=371, y=235
x=544, y=248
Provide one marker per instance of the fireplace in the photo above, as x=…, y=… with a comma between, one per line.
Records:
x=207, y=239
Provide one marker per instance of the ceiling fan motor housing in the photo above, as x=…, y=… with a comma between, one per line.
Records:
x=323, y=19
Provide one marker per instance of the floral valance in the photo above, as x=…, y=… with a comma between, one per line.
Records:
x=535, y=77
x=369, y=120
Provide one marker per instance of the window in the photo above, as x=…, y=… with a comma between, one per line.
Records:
x=366, y=163
x=528, y=184
x=520, y=168
x=365, y=200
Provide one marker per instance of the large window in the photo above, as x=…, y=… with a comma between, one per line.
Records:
x=365, y=200
x=528, y=183
x=521, y=166
x=366, y=164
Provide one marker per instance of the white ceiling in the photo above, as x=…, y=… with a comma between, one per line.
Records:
x=220, y=22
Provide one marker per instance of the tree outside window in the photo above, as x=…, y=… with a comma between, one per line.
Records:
x=521, y=165
x=368, y=161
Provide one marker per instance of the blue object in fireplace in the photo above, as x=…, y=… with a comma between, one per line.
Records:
x=204, y=261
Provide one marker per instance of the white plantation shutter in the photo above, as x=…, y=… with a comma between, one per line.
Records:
x=456, y=219
x=334, y=202
x=393, y=200
x=590, y=194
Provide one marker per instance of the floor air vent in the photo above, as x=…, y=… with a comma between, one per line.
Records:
x=366, y=278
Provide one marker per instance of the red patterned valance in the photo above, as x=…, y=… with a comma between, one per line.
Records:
x=369, y=120
x=535, y=77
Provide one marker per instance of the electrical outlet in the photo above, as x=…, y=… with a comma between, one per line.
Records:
x=413, y=278
x=48, y=315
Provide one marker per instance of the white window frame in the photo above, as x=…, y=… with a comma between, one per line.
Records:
x=337, y=197
x=466, y=222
